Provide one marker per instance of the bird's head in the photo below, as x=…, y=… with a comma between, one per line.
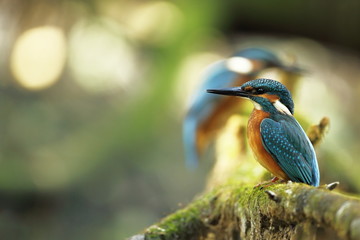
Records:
x=266, y=94
x=253, y=60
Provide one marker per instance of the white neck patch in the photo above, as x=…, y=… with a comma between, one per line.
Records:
x=256, y=105
x=281, y=107
x=240, y=65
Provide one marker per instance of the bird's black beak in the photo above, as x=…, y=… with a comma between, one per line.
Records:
x=236, y=91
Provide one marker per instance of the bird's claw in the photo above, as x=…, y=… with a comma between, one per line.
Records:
x=269, y=183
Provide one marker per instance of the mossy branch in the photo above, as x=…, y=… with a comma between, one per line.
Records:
x=233, y=209
x=282, y=211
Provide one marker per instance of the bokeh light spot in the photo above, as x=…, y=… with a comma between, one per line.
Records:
x=38, y=57
x=155, y=22
x=100, y=58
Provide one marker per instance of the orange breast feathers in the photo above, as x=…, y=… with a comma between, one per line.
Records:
x=261, y=155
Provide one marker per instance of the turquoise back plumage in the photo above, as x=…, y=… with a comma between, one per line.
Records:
x=286, y=141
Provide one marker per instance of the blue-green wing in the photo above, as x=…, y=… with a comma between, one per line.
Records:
x=203, y=105
x=286, y=141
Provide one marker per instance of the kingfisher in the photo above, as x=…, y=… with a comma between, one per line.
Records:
x=278, y=141
x=208, y=113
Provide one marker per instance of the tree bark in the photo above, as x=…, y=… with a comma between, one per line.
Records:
x=282, y=211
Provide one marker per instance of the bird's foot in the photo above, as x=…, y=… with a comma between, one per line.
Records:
x=269, y=183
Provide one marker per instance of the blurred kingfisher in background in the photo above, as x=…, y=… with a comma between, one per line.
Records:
x=208, y=113
x=276, y=138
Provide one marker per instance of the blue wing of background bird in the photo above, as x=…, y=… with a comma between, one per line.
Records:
x=217, y=76
x=203, y=105
x=288, y=144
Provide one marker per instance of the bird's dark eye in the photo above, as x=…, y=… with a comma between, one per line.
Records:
x=260, y=91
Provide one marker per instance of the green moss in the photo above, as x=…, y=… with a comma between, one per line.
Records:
x=243, y=210
x=186, y=223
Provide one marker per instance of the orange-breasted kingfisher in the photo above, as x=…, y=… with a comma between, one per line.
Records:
x=208, y=113
x=278, y=141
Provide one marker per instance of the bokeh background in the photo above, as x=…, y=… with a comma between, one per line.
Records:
x=93, y=94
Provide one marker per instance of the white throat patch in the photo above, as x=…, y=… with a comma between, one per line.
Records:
x=256, y=105
x=281, y=107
